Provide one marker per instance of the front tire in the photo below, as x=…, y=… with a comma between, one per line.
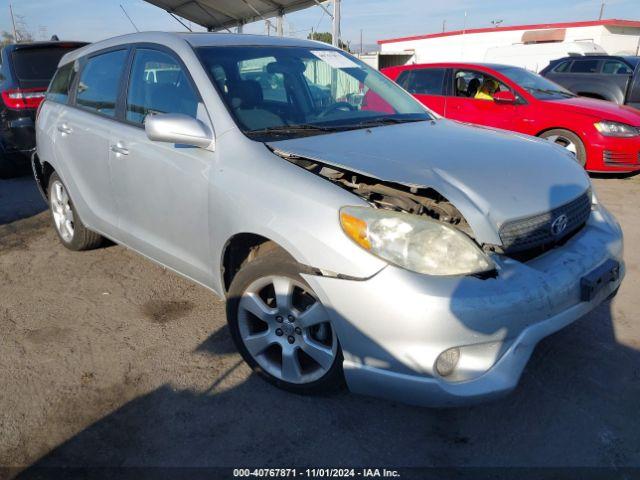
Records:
x=281, y=328
x=66, y=222
x=569, y=141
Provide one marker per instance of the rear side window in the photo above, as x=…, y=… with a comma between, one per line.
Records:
x=61, y=84
x=37, y=64
x=158, y=84
x=423, y=82
x=99, y=82
x=585, y=66
x=616, y=67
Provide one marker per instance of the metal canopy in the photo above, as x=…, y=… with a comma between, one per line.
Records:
x=224, y=14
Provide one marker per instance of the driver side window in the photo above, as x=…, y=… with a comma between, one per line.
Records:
x=158, y=84
x=477, y=85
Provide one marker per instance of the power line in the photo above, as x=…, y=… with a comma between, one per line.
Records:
x=127, y=15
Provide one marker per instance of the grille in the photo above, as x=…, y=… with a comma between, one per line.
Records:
x=620, y=158
x=535, y=231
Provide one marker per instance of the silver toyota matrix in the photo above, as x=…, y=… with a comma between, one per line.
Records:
x=356, y=236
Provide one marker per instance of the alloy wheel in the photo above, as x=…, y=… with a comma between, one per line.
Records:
x=62, y=211
x=286, y=329
x=564, y=142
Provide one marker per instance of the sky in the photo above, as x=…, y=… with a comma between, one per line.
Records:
x=93, y=20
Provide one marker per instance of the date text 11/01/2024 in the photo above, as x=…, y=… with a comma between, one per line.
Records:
x=315, y=472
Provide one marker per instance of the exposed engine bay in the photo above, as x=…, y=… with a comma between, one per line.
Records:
x=387, y=195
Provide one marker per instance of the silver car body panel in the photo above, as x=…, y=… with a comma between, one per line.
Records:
x=181, y=206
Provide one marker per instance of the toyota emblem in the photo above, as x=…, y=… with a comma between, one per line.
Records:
x=559, y=225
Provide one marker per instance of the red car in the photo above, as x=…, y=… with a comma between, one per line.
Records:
x=605, y=137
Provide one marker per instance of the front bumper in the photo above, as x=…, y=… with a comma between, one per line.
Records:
x=610, y=154
x=393, y=326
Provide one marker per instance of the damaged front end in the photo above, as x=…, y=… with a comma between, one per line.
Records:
x=522, y=239
x=387, y=195
x=414, y=227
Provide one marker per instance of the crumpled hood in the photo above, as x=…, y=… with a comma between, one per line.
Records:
x=491, y=176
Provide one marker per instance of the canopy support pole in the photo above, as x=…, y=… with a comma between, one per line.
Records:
x=335, y=36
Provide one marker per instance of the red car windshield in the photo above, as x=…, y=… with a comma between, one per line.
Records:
x=536, y=85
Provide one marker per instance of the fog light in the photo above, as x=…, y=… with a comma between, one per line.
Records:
x=447, y=361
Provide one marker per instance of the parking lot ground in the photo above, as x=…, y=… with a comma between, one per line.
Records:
x=108, y=360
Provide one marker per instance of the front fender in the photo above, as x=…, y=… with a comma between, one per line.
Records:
x=255, y=191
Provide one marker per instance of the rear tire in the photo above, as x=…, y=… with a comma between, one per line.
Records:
x=280, y=327
x=66, y=222
x=568, y=140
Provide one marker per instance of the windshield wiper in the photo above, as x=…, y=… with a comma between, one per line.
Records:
x=553, y=92
x=377, y=122
x=285, y=129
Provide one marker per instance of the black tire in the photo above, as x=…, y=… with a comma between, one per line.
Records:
x=82, y=238
x=581, y=152
x=269, y=260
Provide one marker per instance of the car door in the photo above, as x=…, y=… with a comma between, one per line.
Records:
x=426, y=85
x=619, y=75
x=465, y=107
x=162, y=188
x=633, y=91
x=82, y=133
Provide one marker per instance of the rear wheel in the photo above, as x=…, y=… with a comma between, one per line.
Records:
x=70, y=229
x=280, y=326
x=568, y=140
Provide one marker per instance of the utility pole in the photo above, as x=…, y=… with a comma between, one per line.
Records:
x=444, y=25
x=335, y=35
x=279, y=25
x=13, y=22
x=361, y=48
x=464, y=30
x=602, y=5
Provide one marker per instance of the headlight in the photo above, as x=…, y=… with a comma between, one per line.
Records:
x=415, y=243
x=615, y=129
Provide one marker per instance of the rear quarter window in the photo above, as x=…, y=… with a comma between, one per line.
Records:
x=562, y=67
x=61, y=84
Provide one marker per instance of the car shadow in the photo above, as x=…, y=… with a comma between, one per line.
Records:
x=19, y=198
x=621, y=176
x=576, y=405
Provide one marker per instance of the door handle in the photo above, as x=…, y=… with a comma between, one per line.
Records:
x=119, y=149
x=64, y=128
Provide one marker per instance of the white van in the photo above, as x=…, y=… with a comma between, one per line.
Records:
x=536, y=56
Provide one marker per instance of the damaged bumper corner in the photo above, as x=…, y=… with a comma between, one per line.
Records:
x=393, y=326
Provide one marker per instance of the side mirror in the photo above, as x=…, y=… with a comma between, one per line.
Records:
x=506, y=98
x=178, y=128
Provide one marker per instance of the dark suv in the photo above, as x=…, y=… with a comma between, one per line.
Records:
x=599, y=76
x=25, y=72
